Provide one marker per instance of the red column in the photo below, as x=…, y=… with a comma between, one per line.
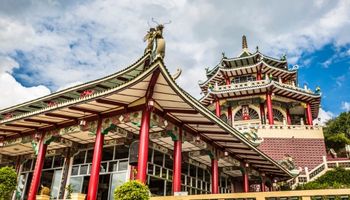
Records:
x=289, y=119
x=263, y=184
x=308, y=114
x=258, y=75
x=214, y=176
x=177, y=163
x=245, y=181
x=37, y=170
x=96, y=163
x=229, y=114
x=228, y=81
x=217, y=108
x=262, y=113
x=143, y=146
x=269, y=108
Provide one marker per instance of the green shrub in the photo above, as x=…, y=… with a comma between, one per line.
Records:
x=132, y=190
x=333, y=179
x=8, y=182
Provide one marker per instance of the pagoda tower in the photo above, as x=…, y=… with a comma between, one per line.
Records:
x=259, y=95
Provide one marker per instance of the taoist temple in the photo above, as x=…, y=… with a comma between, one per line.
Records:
x=252, y=128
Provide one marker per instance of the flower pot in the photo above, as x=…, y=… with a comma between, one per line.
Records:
x=78, y=196
x=42, y=197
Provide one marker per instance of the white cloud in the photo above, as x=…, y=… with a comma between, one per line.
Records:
x=345, y=106
x=323, y=117
x=64, y=42
x=13, y=93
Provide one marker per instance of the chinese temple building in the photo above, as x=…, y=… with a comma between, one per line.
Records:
x=139, y=124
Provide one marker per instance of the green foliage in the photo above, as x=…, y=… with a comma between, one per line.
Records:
x=69, y=189
x=132, y=190
x=334, y=179
x=337, y=131
x=8, y=182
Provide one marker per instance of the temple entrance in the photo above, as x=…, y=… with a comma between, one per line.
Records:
x=113, y=171
x=51, y=176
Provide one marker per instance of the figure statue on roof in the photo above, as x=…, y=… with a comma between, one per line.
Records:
x=155, y=40
x=149, y=37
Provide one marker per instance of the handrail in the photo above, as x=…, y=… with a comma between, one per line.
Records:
x=304, y=194
x=276, y=126
x=258, y=83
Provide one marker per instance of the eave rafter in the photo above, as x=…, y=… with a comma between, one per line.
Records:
x=61, y=116
x=84, y=110
x=40, y=121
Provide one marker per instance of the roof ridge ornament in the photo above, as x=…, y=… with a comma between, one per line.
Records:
x=244, y=43
x=177, y=74
x=155, y=40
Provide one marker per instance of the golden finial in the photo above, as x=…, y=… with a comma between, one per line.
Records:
x=244, y=42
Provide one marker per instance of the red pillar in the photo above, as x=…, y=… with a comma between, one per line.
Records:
x=258, y=75
x=228, y=81
x=309, y=114
x=262, y=113
x=245, y=181
x=269, y=108
x=143, y=146
x=177, y=163
x=96, y=163
x=214, y=176
x=37, y=170
x=217, y=108
x=263, y=184
x=289, y=119
x=229, y=114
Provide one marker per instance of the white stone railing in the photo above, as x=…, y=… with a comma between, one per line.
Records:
x=259, y=83
x=320, y=170
x=241, y=85
x=286, y=127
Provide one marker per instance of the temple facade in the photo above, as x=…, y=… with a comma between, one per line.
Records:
x=260, y=96
x=138, y=124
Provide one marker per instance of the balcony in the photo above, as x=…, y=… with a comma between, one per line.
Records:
x=288, y=131
x=261, y=83
x=299, y=194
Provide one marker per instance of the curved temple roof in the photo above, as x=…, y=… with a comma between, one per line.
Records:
x=247, y=60
x=260, y=88
x=124, y=92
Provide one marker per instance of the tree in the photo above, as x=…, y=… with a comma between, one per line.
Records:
x=8, y=182
x=132, y=190
x=337, y=131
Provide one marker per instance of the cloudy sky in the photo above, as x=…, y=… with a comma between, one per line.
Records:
x=47, y=45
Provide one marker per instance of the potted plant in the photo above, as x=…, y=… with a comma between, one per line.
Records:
x=69, y=189
x=8, y=182
x=44, y=193
x=132, y=190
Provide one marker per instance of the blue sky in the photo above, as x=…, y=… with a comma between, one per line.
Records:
x=49, y=45
x=329, y=68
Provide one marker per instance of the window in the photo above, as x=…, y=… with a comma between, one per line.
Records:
x=243, y=79
x=121, y=152
x=251, y=114
x=158, y=158
x=277, y=115
x=80, y=158
x=107, y=153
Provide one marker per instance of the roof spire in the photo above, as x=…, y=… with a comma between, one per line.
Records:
x=244, y=43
